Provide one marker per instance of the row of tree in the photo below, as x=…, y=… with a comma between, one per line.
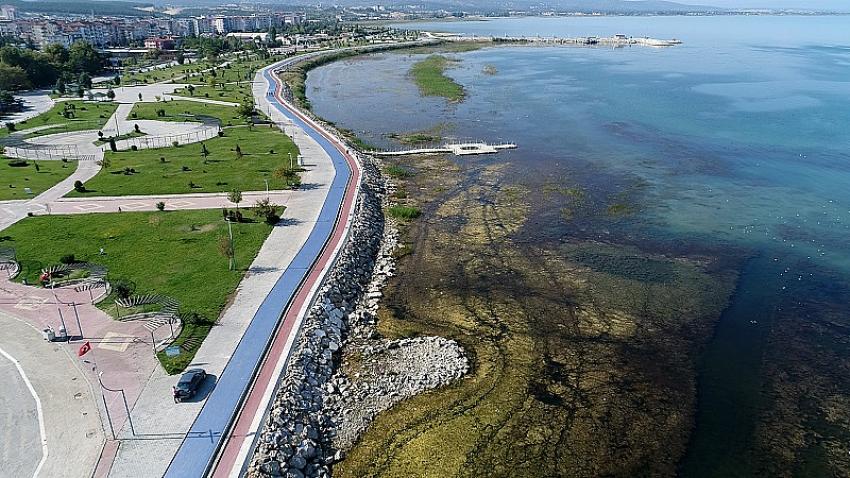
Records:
x=24, y=68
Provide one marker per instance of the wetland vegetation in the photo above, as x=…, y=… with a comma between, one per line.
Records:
x=429, y=74
x=584, y=353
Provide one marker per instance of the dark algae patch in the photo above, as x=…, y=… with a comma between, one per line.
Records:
x=584, y=353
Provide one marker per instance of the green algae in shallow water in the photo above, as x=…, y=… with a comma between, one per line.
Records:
x=429, y=75
x=577, y=371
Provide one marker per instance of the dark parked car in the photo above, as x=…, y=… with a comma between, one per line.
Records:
x=189, y=384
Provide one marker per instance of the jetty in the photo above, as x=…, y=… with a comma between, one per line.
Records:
x=615, y=41
x=458, y=149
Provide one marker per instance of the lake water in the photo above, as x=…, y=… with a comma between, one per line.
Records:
x=737, y=140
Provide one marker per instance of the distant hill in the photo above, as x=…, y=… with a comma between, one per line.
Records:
x=80, y=7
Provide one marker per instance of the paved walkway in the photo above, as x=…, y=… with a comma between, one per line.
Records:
x=164, y=425
x=201, y=100
x=35, y=103
x=72, y=424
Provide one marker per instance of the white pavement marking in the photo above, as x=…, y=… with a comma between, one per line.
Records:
x=31, y=302
x=89, y=207
x=37, y=408
x=181, y=204
x=133, y=205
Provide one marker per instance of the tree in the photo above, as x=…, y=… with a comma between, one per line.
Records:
x=180, y=57
x=191, y=89
x=235, y=196
x=60, y=86
x=238, y=152
x=140, y=97
x=85, y=80
x=56, y=53
x=112, y=147
x=116, y=80
x=246, y=109
x=287, y=175
x=225, y=248
x=13, y=78
x=81, y=91
x=204, y=151
x=83, y=57
x=268, y=211
x=110, y=94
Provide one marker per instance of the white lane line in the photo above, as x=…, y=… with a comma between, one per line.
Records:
x=38, y=410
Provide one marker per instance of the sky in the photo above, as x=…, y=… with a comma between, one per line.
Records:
x=838, y=5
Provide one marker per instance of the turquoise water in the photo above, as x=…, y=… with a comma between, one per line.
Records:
x=738, y=140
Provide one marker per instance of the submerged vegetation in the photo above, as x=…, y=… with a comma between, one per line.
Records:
x=429, y=75
x=584, y=353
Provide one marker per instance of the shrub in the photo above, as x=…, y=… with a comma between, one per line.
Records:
x=10, y=126
x=79, y=186
x=134, y=147
x=268, y=211
x=161, y=206
x=68, y=259
x=162, y=159
x=397, y=172
x=122, y=288
x=18, y=163
x=175, y=143
x=404, y=212
x=185, y=168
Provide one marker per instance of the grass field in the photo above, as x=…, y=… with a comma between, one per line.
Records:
x=169, y=253
x=185, y=170
x=429, y=75
x=186, y=111
x=86, y=115
x=226, y=92
x=15, y=179
x=168, y=73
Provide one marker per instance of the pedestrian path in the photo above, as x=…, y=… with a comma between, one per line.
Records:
x=160, y=425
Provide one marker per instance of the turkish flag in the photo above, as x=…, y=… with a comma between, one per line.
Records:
x=84, y=349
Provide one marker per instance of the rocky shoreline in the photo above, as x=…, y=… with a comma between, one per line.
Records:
x=321, y=407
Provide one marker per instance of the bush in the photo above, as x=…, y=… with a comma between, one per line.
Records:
x=18, y=163
x=175, y=143
x=68, y=259
x=10, y=126
x=134, y=147
x=79, y=186
x=397, y=172
x=268, y=211
x=404, y=212
x=160, y=206
x=122, y=288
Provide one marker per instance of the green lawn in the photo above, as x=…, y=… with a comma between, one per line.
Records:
x=186, y=111
x=15, y=179
x=429, y=75
x=85, y=115
x=166, y=74
x=169, y=253
x=186, y=171
x=226, y=92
